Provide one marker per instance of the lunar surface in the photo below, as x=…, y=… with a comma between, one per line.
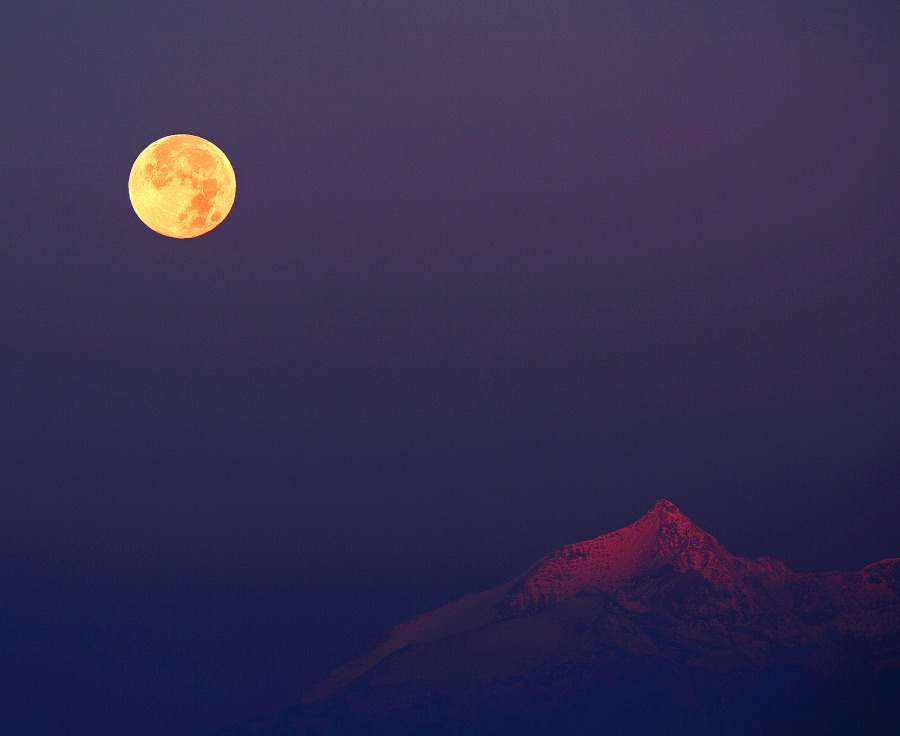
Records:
x=181, y=186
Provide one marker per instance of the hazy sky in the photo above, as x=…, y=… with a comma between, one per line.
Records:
x=497, y=277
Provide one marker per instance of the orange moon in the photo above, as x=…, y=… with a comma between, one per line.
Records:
x=181, y=186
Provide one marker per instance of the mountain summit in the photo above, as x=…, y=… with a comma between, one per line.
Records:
x=655, y=627
x=662, y=536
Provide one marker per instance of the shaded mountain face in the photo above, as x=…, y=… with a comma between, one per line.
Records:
x=654, y=627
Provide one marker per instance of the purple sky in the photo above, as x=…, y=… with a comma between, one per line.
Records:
x=498, y=276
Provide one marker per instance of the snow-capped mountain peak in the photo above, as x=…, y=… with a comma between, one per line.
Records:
x=662, y=536
x=661, y=574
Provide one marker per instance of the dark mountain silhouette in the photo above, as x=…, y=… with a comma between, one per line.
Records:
x=654, y=628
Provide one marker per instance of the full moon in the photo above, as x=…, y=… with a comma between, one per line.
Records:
x=181, y=186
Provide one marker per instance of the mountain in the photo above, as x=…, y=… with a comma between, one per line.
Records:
x=654, y=628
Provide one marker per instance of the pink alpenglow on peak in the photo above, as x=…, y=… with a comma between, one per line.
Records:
x=662, y=536
x=661, y=574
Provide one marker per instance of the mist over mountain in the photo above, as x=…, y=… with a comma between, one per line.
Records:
x=654, y=627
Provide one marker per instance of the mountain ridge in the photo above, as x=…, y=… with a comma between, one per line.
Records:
x=662, y=535
x=633, y=565
x=652, y=627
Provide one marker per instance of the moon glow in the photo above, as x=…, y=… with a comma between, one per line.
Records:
x=181, y=186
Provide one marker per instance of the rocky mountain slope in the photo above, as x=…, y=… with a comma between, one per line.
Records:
x=654, y=627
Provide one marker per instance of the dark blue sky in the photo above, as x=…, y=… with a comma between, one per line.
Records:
x=498, y=276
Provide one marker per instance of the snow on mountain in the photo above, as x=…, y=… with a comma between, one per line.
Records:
x=663, y=536
x=661, y=572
